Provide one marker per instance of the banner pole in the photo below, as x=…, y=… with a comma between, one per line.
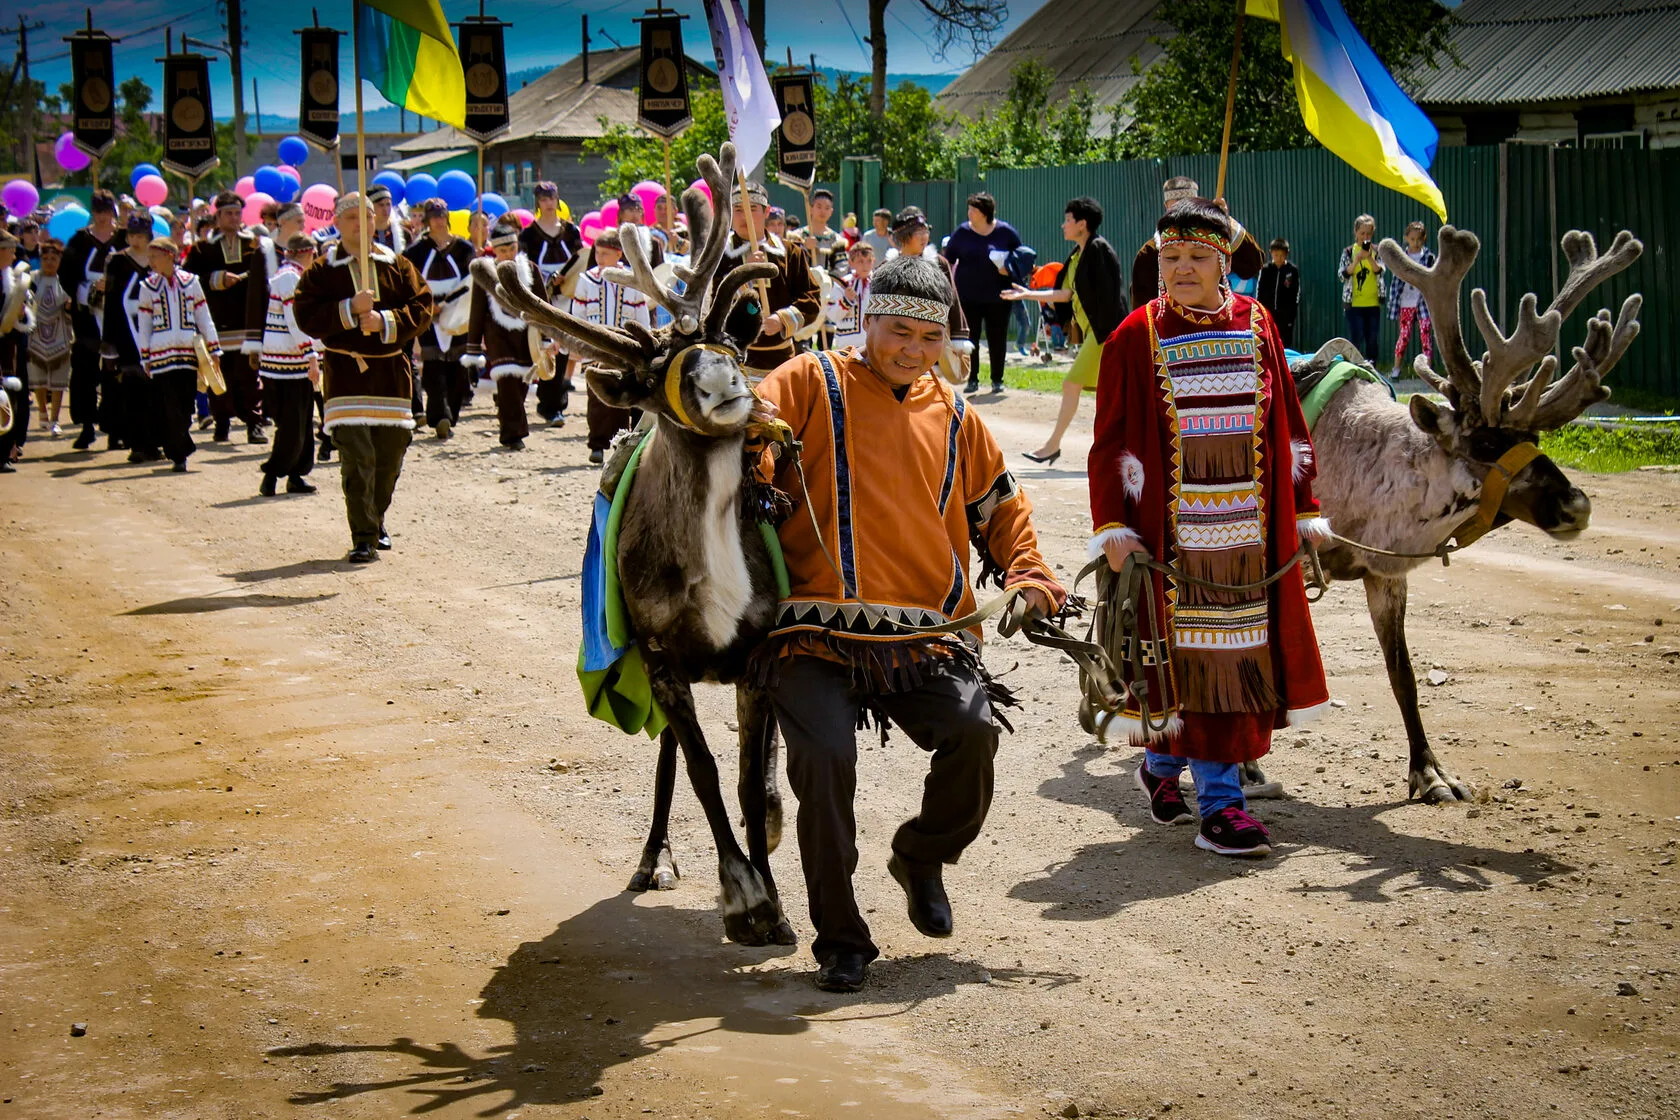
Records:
x=361, y=151
x=670, y=201
x=1230, y=102
x=763, y=286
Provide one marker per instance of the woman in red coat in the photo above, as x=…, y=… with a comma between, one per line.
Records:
x=1202, y=461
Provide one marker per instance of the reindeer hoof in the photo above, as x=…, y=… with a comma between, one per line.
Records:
x=1434, y=786
x=773, y=825
x=641, y=881
x=751, y=913
x=783, y=935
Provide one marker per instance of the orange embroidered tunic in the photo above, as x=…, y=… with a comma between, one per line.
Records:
x=899, y=489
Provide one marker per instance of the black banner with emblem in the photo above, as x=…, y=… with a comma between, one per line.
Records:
x=318, y=105
x=189, y=131
x=95, y=115
x=796, y=139
x=662, y=100
x=484, y=66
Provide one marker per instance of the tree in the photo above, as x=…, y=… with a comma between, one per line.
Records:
x=15, y=97
x=632, y=155
x=1179, y=106
x=1031, y=129
x=975, y=20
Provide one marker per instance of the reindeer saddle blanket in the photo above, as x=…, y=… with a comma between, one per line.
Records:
x=1316, y=387
x=610, y=668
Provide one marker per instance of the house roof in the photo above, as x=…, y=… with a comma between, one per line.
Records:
x=1089, y=41
x=419, y=161
x=1527, y=51
x=560, y=105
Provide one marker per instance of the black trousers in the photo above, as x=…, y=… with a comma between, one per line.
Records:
x=321, y=411
x=165, y=415
x=18, y=434
x=84, y=385
x=445, y=385
x=992, y=320
x=1286, y=331
x=948, y=715
x=554, y=394
x=370, y=459
x=510, y=408
x=243, y=399
x=605, y=422
x=290, y=403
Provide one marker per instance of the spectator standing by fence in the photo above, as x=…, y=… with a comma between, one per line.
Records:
x=1405, y=302
x=979, y=255
x=1090, y=283
x=1280, y=291
x=1362, y=286
x=879, y=236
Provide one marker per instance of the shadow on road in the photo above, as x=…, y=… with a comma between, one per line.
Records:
x=1100, y=880
x=203, y=604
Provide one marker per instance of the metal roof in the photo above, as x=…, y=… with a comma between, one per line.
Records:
x=1089, y=41
x=1518, y=52
x=560, y=105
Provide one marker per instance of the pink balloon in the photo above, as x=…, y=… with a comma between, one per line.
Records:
x=319, y=202
x=703, y=187
x=254, y=203
x=609, y=213
x=151, y=190
x=288, y=169
x=648, y=193
x=591, y=226
x=70, y=157
x=245, y=187
x=525, y=217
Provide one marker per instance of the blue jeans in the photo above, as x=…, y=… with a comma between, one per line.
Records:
x=1363, y=325
x=1218, y=784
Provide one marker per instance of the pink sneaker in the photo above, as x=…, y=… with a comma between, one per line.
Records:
x=1232, y=832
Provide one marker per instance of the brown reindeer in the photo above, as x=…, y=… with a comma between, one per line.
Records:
x=1407, y=480
x=696, y=574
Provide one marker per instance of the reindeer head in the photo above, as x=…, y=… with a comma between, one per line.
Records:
x=689, y=372
x=1498, y=406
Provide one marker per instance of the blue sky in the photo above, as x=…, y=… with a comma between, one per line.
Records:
x=544, y=33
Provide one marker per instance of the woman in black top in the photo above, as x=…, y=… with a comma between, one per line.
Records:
x=1091, y=282
x=978, y=252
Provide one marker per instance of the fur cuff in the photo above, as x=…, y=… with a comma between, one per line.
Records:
x=251, y=346
x=1120, y=534
x=1314, y=529
x=1136, y=734
x=961, y=346
x=472, y=361
x=1300, y=459
x=12, y=385
x=1298, y=716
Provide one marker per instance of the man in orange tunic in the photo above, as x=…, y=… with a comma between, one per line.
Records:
x=900, y=475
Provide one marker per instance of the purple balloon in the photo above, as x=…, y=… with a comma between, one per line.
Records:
x=70, y=157
x=20, y=196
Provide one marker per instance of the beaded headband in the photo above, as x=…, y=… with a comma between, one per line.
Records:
x=909, y=307
x=1200, y=236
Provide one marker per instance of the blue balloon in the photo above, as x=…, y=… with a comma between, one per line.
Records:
x=288, y=188
x=160, y=228
x=141, y=170
x=269, y=181
x=391, y=181
x=457, y=189
x=67, y=221
x=492, y=204
x=419, y=189
x=294, y=150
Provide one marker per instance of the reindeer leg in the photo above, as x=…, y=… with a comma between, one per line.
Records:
x=751, y=913
x=1429, y=780
x=758, y=731
x=754, y=711
x=658, y=869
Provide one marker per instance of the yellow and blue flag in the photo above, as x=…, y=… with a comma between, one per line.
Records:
x=404, y=47
x=1350, y=101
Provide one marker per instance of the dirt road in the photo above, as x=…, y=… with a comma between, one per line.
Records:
x=288, y=836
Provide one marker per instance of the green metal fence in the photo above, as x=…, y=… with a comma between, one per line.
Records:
x=1519, y=199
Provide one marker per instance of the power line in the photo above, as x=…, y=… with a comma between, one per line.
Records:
x=178, y=19
x=848, y=18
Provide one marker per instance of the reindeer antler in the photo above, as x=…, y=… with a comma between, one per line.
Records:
x=594, y=341
x=1487, y=392
x=688, y=308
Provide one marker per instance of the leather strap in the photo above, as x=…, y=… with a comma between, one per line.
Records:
x=1494, y=487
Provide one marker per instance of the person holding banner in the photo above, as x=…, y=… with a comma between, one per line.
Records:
x=224, y=262
x=792, y=297
x=173, y=314
x=85, y=257
x=367, y=312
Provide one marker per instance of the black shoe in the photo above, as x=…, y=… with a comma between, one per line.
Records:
x=7, y=468
x=930, y=909
x=1047, y=460
x=362, y=554
x=221, y=435
x=84, y=441
x=515, y=445
x=204, y=422
x=300, y=485
x=597, y=457
x=972, y=387
x=444, y=429
x=1232, y=832
x=137, y=456
x=267, y=487
x=997, y=387
x=325, y=454
x=1166, y=803
x=112, y=443
x=254, y=434
x=384, y=541
x=842, y=972
x=180, y=466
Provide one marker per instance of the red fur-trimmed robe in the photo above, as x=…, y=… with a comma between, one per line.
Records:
x=1135, y=472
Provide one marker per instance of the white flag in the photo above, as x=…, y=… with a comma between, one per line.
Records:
x=747, y=99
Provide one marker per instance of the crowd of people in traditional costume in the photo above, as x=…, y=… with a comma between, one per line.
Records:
x=1201, y=457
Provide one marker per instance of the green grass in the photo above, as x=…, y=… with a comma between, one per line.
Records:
x=1612, y=451
x=1034, y=379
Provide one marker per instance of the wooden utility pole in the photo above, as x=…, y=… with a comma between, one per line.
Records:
x=28, y=99
x=236, y=42
x=256, y=99
x=1230, y=102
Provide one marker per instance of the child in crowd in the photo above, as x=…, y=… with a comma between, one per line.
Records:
x=49, y=343
x=1280, y=291
x=600, y=300
x=1405, y=302
x=849, y=294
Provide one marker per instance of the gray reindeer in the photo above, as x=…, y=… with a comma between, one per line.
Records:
x=696, y=573
x=1407, y=480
